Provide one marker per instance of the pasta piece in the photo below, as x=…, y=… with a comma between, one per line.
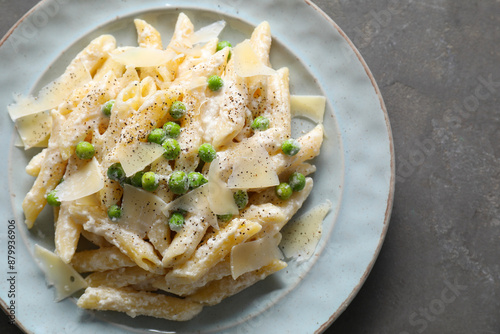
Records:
x=129, y=243
x=149, y=114
x=101, y=259
x=35, y=165
x=261, y=45
x=194, y=58
x=67, y=234
x=95, y=239
x=232, y=110
x=87, y=116
x=214, y=292
x=159, y=236
x=278, y=112
x=147, y=35
x=261, y=42
x=93, y=56
x=304, y=168
x=310, y=144
x=120, y=277
x=191, y=136
x=213, y=65
x=185, y=242
x=51, y=172
x=180, y=287
x=288, y=207
x=183, y=30
x=136, y=303
x=215, y=248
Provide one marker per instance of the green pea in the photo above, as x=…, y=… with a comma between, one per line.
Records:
x=116, y=173
x=290, y=147
x=225, y=218
x=85, y=150
x=178, y=182
x=215, y=83
x=297, y=181
x=157, y=136
x=223, y=44
x=114, y=212
x=172, y=149
x=176, y=221
x=150, y=181
x=196, y=180
x=172, y=129
x=106, y=107
x=207, y=152
x=284, y=191
x=52, y=199
x=177, y=110
x=260, y=123
x=240, y=198
x=136, y=179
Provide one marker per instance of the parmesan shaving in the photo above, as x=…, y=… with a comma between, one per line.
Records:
x=220, y=196
x=61, y=275
x=301, y=236
x=140, y=209
x=207, y=33
x=246, y=62
x=34, y=129
x=253, y=169
x=86, y=181
x=312, y=107
x=136, y=156
x=49, y=96
x=250, y=256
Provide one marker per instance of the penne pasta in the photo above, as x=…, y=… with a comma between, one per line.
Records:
x=136, y=303
x=101, y=259
x=170, y=160
x=214, y=292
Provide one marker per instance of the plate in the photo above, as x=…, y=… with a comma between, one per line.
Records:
x=355, y=168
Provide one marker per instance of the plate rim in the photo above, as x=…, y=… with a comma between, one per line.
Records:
x=392, y=185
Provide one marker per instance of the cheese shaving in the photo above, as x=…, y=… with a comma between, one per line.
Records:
x=250, y=256
x=220, y=196
x=136, y=156
x=312, y=107
x=49, y=96
x=207, y=33
x=61, y=275
x=253, y=169
x=34, y=129
x=140, y=209
x=86, y=181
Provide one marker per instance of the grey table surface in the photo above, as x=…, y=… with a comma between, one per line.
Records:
x=437, y=65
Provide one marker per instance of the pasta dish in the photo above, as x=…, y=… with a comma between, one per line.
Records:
x=177, y=163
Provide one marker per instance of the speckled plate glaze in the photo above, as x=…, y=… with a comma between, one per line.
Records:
x=355, y=168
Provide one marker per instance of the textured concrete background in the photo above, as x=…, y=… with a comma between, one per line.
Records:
x=437, y=65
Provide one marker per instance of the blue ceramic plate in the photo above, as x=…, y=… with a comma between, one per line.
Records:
x=355, y=168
